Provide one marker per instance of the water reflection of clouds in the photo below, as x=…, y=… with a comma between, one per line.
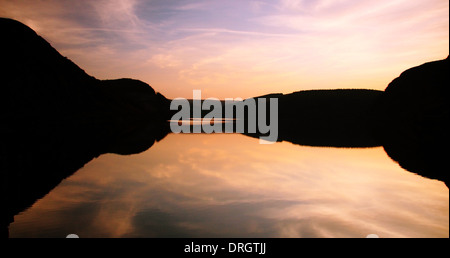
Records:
x=231, y=186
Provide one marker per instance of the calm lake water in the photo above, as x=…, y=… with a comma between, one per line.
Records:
x=229, y=185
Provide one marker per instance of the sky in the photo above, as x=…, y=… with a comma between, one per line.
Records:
x=242, y=48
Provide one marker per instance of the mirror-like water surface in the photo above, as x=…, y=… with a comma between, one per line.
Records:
x=229, y=185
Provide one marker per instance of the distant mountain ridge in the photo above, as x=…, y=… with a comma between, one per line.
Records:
x=327, y=118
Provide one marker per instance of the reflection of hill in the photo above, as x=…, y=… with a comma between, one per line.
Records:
x=35, y=162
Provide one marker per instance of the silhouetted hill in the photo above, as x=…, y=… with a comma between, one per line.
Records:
x=410, y=119
x=40, y=86
x=414, y=119
x=55, y=117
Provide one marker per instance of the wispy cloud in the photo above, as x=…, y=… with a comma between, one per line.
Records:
x=244, y=48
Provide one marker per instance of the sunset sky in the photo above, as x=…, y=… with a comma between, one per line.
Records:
x=242, y=48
